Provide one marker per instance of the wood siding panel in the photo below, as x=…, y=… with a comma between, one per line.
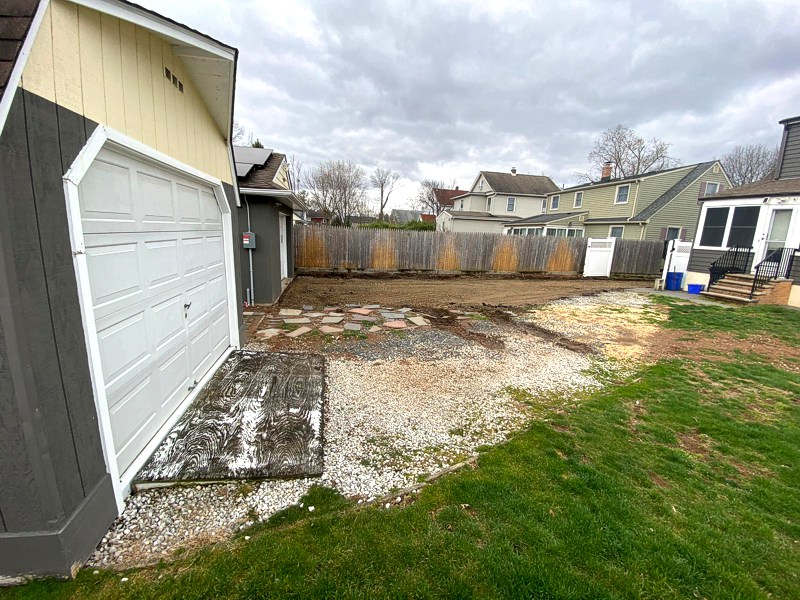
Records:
x=109, y=85
x=790, y=166
x=700, y=260
x=653, y=188
x=599, y=202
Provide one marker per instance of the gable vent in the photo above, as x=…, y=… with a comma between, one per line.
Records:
x=172, y=78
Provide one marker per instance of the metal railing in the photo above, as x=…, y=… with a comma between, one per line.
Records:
x=777, y=264
x=735, y=260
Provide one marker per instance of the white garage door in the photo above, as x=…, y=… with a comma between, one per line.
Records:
x=154, y=250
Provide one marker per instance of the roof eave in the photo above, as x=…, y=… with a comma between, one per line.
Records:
x=281, y=195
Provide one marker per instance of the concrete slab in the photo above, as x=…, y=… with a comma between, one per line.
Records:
x=259, y=416
x=332, y=320
x=360, y=311
x=298, y=332
x=396, y=325
x=372, y=306
x=327, y=329
x=419, y=321
x=290, y=312
x=297, y=321
x=404, y=310
x=352, y=327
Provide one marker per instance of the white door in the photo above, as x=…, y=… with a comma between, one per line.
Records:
x=778, y=232
x=155, y=258
x=677, y=259
x=284, y=250
x=599, y=254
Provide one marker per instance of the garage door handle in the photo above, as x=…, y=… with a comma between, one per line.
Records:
x=187, y=305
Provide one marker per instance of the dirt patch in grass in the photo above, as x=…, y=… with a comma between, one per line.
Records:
x=449, y=292
x=659, y=481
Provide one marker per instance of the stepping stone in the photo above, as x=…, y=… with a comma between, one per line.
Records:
x=375, y=329
x=298, y=332
x=352, y=305
x=328, y=329
x=404, y=310
x=372, y=306
x=248, y=314
x=421, y=321
x=336, y=314
x=290, y=312
x=332, y=320
x=266, y=334
x=314, y=315
x=463, y=318
x=393, y=316
x=396, y=325
x=352, y=327
x=308, y=307
x=365, y=318
x=331, y=308
x=298, y=321
x=360, y=311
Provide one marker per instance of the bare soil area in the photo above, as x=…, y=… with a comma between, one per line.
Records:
x=441, y=292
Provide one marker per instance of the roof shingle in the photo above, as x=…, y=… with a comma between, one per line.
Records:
x=508, y=183
x=15, y=20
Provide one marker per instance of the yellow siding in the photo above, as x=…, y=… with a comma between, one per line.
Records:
x=118, y=80
x=598, y=201
x=653, y=187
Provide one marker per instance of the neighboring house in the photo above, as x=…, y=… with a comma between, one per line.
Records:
x=402, y=216
x=494, y=199
x=444, y=197
x=751, y=225
x=659, y=205
x=266, y=216
x=356, y=220
x=118, y=258
x=427, y=218
x=317, y=217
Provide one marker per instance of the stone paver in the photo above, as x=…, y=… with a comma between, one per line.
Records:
x=421, y=321
x=332, y=320
x=297, y=321
x=360, y=311
x=372, y=306
x=375, y=329
x=393, y=316
x=396, y=325
x=328, y=329
x=266, y=334
x=337, y=314
x=298, y=332
x=308, y=307
x=331, y=308
x=404, y=310
x=352, y=327
x=352, y=305
x=314, y=315
x=365, y=318
x=290, y=312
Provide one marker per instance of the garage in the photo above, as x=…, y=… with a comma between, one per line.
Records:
x=158, y=288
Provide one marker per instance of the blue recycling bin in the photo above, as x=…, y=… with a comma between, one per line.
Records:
x=673, y=283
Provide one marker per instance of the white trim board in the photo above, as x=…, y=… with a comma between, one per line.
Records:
x=19, y=66
x=103, y=137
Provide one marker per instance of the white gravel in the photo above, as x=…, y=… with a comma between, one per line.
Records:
x=393, y=415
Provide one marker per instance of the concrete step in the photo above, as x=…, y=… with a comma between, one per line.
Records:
x=728, y=297
x=740, y=276
x=735, y=290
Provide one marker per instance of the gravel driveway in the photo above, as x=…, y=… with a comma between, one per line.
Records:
x=398, y=409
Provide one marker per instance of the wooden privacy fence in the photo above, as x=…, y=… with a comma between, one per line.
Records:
x=322, y=248
x=632, y=257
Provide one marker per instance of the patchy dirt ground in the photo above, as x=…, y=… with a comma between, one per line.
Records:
x=454, y=292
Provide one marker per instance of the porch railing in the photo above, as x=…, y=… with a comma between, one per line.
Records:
x=777, y=264
x=734, y=260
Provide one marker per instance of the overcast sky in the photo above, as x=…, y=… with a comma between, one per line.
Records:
x=443, y=89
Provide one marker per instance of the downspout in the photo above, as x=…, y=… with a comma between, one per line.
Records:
x=250, y=292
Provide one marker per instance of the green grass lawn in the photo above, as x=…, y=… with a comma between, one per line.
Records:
x=680, y=482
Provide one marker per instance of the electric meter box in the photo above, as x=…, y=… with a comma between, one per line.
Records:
x=249, y=240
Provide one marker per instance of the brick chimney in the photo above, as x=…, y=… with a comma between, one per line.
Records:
x=513, y=170
x=606, y=173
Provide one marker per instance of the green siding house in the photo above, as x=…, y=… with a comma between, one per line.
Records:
x=659, y=205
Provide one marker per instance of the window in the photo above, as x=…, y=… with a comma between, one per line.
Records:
x=554, y=202
x=714, y=227
x=480, y=185
x=563, y=232
x=511, y=204
x=743, y=226
x=711, y=188
x=622, y=194
x=544, y=205
x=461, y=207
x=673, y=233
x=575, y=233
x=616, y=231
x=489, y=204
x=535, y=231
x=578, y=203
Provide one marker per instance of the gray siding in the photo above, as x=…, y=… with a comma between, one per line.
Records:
x=790, y=162
x=700, y=260
x=266, y=257
x=230, y=193
x=51, y=458
x=795, y=272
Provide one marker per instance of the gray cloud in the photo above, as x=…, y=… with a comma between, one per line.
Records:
x=443, y=89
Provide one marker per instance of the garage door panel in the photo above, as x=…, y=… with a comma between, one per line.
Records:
x=157, y=202
x=123, y=346
x=154, y=247
x=113, y=269
x=106, y=194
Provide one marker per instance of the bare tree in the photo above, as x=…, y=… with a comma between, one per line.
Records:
x=425, y=200
x=239, y=134
x=338, y=188
x=384, y=180
x=295, y=173
x=746, y=164
x=629, y=153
